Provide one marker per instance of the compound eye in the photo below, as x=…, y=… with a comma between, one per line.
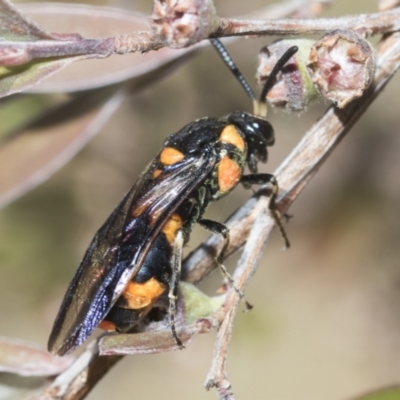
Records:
x=264, y=128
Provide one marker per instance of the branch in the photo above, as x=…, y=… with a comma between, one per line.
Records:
x=172, y=36
x=180, y=33
x=77, y=381
x=368, y=24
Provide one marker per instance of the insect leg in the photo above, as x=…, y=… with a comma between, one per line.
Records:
x=174, y=283
x=263, y=179
x=223, y=230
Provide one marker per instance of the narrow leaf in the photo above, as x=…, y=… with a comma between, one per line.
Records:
x=31, y=157
x=17, y=79
x=159, y=341
x=28, y=359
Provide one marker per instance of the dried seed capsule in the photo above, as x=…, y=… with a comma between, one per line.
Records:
x=294, y=89
x=342, y=65
x=183, y=22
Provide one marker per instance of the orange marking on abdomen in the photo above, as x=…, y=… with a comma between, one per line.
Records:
x=171, y=227
x=229, y=174
x=141, y=295
x=231, y=135
x=156, y=172
x=107, y=326
x=170, y=156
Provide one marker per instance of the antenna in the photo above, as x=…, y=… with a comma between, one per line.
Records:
x=259, y=106
x=227, y=59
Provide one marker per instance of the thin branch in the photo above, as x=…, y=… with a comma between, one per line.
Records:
x=145, y=41
x=247, y=265
x=77, y=381
x=369, y=24
x=217, y=376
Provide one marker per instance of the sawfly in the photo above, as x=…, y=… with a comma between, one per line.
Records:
x=135, y=257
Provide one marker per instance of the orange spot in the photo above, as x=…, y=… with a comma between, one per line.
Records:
x=229, y=174
x=107, y=326
x=140, y=295
x=231, y=135
x=171, y=226
x=156, y=172
x=170, y=156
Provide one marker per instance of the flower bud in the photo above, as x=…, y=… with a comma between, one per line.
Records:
x=294, y=89
x=342, y=65
x=183, y=22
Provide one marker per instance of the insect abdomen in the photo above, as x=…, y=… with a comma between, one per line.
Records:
x=151, y=281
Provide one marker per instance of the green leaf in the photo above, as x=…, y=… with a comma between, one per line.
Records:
x=18, y=78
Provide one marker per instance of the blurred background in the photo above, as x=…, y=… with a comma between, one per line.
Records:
x=326, y=318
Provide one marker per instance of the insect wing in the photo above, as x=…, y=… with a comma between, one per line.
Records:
x=120, y=246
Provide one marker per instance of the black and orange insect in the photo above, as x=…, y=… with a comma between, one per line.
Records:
x=135, y=256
